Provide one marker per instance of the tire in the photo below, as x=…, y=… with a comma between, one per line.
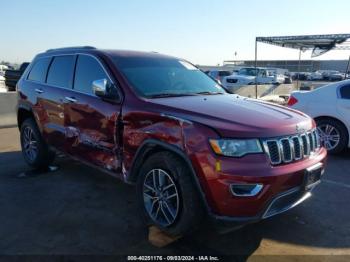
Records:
x=189, y=211
x=333, y=128
x=34, y=149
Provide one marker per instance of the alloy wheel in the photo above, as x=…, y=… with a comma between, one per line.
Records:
x=329, y=135
x=161, y=197
x=30, y=144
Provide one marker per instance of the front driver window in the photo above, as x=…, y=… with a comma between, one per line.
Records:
x=88, y=69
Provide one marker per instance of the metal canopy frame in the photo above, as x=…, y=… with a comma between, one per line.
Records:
x=307, y=42
x=324, y=43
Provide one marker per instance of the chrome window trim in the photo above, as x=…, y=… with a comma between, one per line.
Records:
x=72, y=88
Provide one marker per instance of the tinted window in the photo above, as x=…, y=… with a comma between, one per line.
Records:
x=87, y=70
x=224, y=73
x=39, y=70
x=345, y=92
x=61, y=71
x=153, y=76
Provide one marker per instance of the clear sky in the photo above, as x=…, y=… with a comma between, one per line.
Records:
x=202, y=31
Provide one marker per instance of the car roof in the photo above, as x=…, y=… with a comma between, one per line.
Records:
x=108, y=52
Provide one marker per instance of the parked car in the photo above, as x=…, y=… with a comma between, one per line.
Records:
x=330, y=107
x=218, y=75
x=3, y=68
x=12, y=76
x=281, y=73
x=327, y=73
x=193, y=150
x=315, y=76
x=250, y=76
x=300, y=75
x=336, y=76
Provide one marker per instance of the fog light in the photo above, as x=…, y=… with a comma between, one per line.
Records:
x=245, y=190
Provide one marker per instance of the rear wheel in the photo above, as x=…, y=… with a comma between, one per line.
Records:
x=34, y=149
x=333, y=135
x=167, y=196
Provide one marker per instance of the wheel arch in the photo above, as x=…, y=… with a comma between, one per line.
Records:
x=152, y=146
x=24, y=113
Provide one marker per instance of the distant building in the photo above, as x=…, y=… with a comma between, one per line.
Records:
x=293, y=65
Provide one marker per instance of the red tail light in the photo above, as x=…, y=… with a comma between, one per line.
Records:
x=292, y=101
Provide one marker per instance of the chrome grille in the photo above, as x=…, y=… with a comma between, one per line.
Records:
x=291, y=148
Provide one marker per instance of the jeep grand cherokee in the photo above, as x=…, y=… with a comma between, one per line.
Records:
x=158, y=122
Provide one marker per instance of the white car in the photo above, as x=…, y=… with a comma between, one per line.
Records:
x=317, y=75
x=247, y=75
x=330, y=107
x=3, y=68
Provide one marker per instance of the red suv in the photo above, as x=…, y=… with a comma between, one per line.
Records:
x=192, y=149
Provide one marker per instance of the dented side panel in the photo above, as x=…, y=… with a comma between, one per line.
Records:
x=91, y=131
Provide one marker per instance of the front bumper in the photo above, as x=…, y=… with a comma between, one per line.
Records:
x=277, y=181
x=279, y=204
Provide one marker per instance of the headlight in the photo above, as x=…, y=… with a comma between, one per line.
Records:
x=235, y=147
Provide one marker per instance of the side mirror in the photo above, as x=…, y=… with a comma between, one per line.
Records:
x=100, y=87
x=104, y=89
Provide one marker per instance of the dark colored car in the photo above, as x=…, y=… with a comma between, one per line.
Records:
x=218, y=75
x=193, y=150
x=12, y=76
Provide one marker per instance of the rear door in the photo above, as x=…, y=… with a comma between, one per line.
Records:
x=50, y=99
x=90, y=121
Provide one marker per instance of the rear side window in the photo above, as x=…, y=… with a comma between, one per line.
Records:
x=345, y=92
x=88, y=69
x=39, y=70
x=61, y=71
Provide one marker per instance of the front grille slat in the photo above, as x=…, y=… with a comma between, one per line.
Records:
x=291, y=148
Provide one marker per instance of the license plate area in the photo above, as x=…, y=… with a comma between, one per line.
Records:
x=312, y=176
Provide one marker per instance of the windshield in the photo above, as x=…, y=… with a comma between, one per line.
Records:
x=156, y=77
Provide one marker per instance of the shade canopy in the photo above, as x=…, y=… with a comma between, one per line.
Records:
x=319, y=44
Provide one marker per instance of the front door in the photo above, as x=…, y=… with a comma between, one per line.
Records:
x=91, y=123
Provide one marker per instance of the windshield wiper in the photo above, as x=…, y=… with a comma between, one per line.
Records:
x=209, y=93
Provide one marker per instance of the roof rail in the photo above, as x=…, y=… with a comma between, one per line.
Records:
x=70, y=48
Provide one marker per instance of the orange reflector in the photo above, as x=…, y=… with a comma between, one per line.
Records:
x=215, y=146
x=218, y=166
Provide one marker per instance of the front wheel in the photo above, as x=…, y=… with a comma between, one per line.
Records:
x=333, y=135
x=34, y=149
x=167, y=196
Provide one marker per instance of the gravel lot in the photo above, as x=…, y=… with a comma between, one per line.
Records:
x=79, y=210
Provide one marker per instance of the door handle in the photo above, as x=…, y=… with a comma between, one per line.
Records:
x=39, y=91
x=71, y=99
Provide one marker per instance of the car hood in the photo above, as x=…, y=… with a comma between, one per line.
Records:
x=235, y=116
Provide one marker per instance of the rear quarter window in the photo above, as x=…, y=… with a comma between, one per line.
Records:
x=39, y=70
x=345, y=92
x=61, y=71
